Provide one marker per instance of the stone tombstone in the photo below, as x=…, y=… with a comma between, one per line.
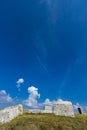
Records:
x=47, y=109
x=80, y=110
x=10, y=113
x=63, y=108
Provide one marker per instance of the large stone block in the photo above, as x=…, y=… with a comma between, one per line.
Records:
x=47, y=109
x=10, y=113
x=63, y=108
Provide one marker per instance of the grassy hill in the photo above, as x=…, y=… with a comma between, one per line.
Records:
x=46, y=122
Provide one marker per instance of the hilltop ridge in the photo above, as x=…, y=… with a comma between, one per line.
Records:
x=30, y=121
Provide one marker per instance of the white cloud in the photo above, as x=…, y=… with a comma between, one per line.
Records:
x=32, y=100
x=19, y=82
x=2, y=92
x=76, y=106
x=65, y=102
x=48, y=102
x=4, y=97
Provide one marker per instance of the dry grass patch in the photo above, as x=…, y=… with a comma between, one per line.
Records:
x=46, y=122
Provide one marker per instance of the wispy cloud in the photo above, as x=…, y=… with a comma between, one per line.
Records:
x=5, y=97
x=19, y=82
x=64, y=82
x=40, y=62
x=52, y=6
x=40, y=50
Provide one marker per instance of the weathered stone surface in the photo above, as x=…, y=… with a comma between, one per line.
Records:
x=10, y=113
x=63, y=108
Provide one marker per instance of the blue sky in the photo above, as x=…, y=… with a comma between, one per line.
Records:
x=43, y=43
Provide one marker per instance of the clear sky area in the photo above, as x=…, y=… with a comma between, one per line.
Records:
x=43, y=52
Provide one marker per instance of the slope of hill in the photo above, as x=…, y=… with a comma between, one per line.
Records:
x=46, y=122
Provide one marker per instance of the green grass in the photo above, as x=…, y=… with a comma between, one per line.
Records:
x=46, y=122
